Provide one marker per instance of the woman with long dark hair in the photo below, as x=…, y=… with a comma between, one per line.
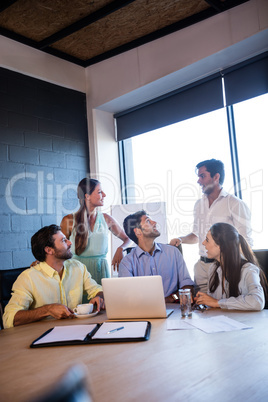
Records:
x=235, y=279
x=88, y=230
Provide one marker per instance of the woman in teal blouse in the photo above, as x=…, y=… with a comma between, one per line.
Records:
x=88, y=230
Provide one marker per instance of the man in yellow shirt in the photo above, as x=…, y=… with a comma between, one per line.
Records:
x=55, y=286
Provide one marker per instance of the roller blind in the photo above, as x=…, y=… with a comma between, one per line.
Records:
x=176, y=106
x=246, y=80
x=242, y=81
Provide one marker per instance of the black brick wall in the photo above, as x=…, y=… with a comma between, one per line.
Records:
x=43, y=156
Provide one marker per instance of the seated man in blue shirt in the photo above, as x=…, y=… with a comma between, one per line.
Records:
x=150, y=258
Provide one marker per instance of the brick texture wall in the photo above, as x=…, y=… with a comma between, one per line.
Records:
x=43, y=156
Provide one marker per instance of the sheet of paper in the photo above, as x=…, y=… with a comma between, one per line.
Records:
x=67, y=333
x=219, y=323
x=130, y=330
x=178, y=324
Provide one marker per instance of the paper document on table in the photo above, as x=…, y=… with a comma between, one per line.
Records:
x=121, y=329
x=178, y=324
x=67, y=333
x=219, y=323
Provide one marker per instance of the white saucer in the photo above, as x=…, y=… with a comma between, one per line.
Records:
x=86, y=315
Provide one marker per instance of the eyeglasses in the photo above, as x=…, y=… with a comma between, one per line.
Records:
x=200, y=307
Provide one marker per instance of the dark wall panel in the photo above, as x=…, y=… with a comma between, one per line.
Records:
x=43, y=155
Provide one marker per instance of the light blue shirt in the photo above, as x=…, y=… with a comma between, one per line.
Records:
x=166, y=261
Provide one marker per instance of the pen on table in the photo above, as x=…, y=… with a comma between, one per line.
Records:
x=114, y=330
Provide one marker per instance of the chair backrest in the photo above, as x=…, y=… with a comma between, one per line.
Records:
x=7, y=278
x=72, y=387
x=262, y=257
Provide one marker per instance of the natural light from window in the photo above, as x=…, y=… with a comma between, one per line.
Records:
x=251, y=120
x=164, y=163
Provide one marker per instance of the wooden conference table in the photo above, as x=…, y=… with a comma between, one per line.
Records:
x=174, y=365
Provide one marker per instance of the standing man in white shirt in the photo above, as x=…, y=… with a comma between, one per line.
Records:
x=216, y=205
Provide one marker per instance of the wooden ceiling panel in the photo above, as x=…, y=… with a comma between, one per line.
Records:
x=88, y=31
x=38, y=19
x=138, y=19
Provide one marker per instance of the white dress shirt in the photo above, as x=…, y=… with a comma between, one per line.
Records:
x=226, y=208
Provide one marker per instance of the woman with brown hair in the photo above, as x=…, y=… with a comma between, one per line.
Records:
x=235, y=279
x=88, y=230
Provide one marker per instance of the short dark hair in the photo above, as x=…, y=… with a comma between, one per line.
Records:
x=213, y=166
x=42, y=239
x=131, y=222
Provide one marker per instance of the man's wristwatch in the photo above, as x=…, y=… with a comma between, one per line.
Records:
x=175, y=297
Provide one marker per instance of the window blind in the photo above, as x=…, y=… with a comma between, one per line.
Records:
x=242, y=81
x=171, y=108
x=246, y=80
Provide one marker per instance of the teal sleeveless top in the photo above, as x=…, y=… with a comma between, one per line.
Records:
x=94, y=256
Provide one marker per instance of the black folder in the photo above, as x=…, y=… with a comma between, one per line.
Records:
x=123, y=331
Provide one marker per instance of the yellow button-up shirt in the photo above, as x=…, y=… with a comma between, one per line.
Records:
x=41, y=285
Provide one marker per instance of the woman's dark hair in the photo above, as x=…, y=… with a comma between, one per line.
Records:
x=131, y=222
x=231, y=245
x=213, y=166
x=42, y=239
x=81, y=225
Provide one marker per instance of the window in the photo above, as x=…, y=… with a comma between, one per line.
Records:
x=159, y=164
x=162, y=166
x=164, y=163
x=251, y=122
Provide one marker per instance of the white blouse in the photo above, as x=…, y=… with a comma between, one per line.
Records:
x=251, y=292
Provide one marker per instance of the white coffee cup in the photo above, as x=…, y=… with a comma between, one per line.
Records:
x=86, y=308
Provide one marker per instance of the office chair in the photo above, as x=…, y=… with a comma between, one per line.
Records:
x=179, y=247
x=7, y=278
x=262, y=257
x=71, y=387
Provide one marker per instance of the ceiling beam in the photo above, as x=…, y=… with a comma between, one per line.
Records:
x=186, y=22
x=84, y=22
x=5, y=4
x=17, y=37
x=29, y=42
x=216, y=4
x=221, y=6
x=128, y=46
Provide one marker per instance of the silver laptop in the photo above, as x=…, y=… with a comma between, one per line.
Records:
x=134, y=297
